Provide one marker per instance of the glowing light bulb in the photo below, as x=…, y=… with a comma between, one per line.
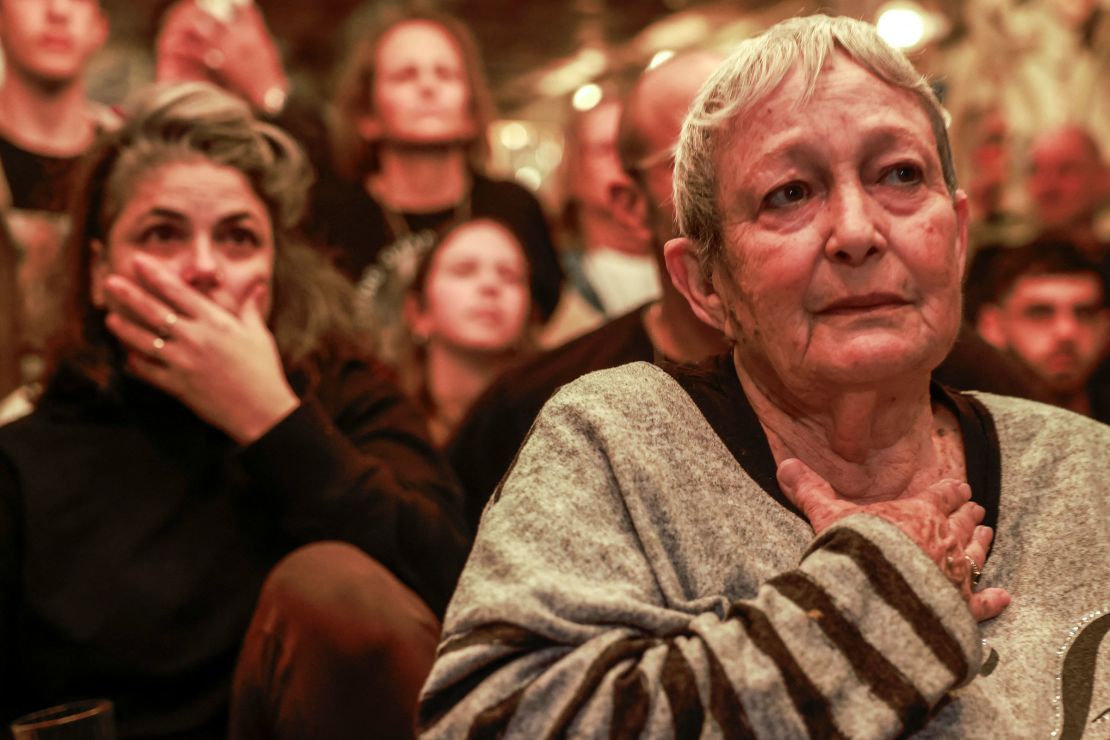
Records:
x=514, y=136
x=586, y=97
x=903, y=27
x=529, y=177
x=659, y=57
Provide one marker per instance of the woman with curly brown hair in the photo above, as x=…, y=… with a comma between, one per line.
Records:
x=214, y=456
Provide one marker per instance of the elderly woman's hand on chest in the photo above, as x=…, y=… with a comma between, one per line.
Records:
x=941, y=519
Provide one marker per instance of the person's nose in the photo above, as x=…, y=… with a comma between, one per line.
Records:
x=489, y=283
x=1065, y=326
x=427, y=83
x=203, y=271
x=854, y=233
x=57, y=8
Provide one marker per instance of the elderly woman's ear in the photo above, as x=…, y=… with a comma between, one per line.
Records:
x=684, y=265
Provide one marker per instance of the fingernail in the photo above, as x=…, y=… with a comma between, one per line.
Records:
x=789, y=473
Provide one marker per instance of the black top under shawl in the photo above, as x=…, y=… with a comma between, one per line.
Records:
x=715, y=389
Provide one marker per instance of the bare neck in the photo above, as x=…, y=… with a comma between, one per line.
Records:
x=870, y=445
x=420, y=180
x=456, y=379
x=52, y=122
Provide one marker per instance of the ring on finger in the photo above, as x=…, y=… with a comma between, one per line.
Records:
x=158, y=344
x=168, y=323
x=976, y=571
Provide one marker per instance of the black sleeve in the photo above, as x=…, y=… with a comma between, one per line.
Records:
x=354, y=463
x=483, y=447
x=10, y=548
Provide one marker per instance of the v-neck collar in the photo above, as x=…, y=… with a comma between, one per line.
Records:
x=715, y=389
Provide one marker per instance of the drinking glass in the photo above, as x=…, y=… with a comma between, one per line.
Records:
x=79, y=720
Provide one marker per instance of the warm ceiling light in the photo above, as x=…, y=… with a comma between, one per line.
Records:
x=514, y=136
x=902, y=25
x=659, y=57
x=586, y=97
x=529, y=177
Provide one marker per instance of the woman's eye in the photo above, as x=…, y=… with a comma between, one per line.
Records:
x=786, y=196
x=449, y=73
x=160, y=234
x=403, y=74
x=463, y=269
x=903, y=174
x=510, y=275
x=241, y=236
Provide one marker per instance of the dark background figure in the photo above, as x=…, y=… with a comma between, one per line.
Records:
x=1047, y=307
x=404, y=153
x=412, y=110
x=608, y=262
x=10, y=310
x=1068, y=182
x=451, y=315
x=46, y=124
x=483, y=448
x=209, y=419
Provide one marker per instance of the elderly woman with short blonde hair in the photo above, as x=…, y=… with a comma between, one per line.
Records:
x=805, y=536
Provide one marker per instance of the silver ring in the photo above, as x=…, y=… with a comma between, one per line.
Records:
x=158, y=343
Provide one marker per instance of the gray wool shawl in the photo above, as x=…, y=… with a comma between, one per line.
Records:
x=630, y=579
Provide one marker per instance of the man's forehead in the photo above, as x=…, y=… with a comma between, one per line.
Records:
x=1066, y=144
x=1058, y=287
x=665, y=94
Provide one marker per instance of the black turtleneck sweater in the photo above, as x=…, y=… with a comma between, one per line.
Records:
x=134, y=537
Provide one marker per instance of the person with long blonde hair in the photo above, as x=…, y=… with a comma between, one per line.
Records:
x=412, y=113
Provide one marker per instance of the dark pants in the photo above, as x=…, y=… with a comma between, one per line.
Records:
x=338, y=648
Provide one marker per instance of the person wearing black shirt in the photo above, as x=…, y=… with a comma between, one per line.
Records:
x=46, y=125
x=217, y=481
x=412, y=108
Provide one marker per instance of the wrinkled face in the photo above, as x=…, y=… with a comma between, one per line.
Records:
x=420, y=93
x=200, y=220
x=50, y=41
x=476, y=295
x=1057, y=326
x=1066, y=181
x=597, y=167
x=843, y=248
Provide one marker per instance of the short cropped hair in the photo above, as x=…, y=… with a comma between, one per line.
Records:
x=751, y=73
x=1045, y=255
